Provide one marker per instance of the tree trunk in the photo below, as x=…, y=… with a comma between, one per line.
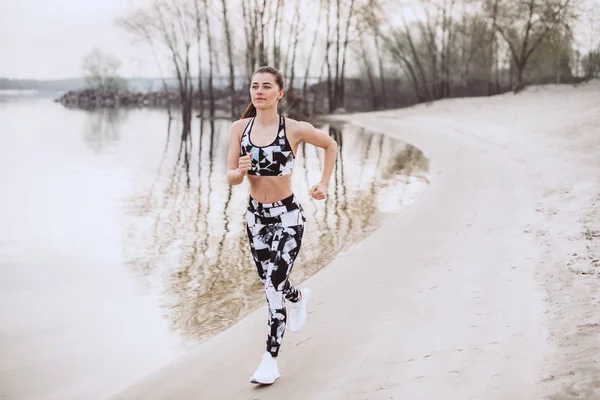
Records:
x=341, y=100
x=312, y=48
x=510, y=73
x=520, y=83
x=421, y=93
x=211, y=93
x=432, y=48
x=381, y=74
x=399, y=54
x=336, y=87
x=429, y=33
x=330, y=100
x=497, y=62
x=441, y=90
x=365, y=58
x=249, y=15
x=528, y=48
x=294, y=48
x=162, y=78
x=418, y=63
x=493, y=44
x=291, y=36
x=189, y=96
x=262, y=55
x=557, y=64
x=230, y=56
x=276, y=45
x=171, y=39
x=448, y=58
x=199, y=44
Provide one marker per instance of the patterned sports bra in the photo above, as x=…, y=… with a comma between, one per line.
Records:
x=275, y=159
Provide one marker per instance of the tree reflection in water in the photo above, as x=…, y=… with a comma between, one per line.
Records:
x=187, y=236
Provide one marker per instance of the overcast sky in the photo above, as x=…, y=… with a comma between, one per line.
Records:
x=47, y=39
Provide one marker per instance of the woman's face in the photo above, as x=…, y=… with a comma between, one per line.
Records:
x=264, y=91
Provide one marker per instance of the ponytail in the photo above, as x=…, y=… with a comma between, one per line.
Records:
x=250, y=111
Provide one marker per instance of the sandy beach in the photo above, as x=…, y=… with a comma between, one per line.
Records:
x=485, y=288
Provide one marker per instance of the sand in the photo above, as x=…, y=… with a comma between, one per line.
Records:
x=485, y=288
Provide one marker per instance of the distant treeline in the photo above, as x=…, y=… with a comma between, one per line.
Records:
x=64, y=85
x=42, y=85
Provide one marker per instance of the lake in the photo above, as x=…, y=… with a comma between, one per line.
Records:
x=121, y=245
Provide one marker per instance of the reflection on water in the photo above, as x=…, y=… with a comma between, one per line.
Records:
x=102, y=127
x=185, y=231
x=121, y=244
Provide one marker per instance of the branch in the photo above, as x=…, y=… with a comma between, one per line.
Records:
x=554, y=19
x=510, y=45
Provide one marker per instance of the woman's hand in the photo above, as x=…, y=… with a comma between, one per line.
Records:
x=318, y=191
x=245, y=164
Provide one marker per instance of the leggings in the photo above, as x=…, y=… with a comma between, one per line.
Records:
x=275, y=233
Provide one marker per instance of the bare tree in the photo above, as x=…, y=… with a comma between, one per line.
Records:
x=493, y=54
x=261, y=12
x=101, y=71
x=379, y=50
x=341, y=98
x=230, y=57
x=277, y=34
x=198, y=19
x=338, y=22
x=417, y=61
x=330, y=99
x=140, y=25
x=367, y=66
x=447, y=42
x=298, y=28
x=474, y=34
x=292, y=36
x=211, y=54
x=249, y=29
x=590, y=62
x=538, y=18
x=173, y=26
x=370, y=12
x=428, y=32
x=310, y=54
x=455, y=48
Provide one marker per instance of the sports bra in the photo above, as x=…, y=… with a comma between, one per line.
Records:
x=275, y=159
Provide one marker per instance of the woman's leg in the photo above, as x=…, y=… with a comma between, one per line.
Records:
x=261, y=248
x=275, y=242
x=285, y=246
x=260, y=237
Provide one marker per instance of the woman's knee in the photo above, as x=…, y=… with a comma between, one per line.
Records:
x=275, y=297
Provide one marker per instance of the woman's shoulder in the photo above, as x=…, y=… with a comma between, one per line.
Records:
x=295, y=126
x=241, y=122
x=237, y=127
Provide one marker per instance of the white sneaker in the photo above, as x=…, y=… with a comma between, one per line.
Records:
x=267, y=372
x=299, y=310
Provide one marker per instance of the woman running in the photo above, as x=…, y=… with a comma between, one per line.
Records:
x=263, y=147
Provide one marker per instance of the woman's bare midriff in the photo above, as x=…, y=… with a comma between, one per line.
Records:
x=269, y=189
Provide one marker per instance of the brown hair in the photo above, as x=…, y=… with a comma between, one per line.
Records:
x=251, y=110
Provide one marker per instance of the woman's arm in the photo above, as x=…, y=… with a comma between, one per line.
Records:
x=236, y=165
x=309, y=134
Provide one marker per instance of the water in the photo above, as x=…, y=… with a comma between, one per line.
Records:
x=122, y=246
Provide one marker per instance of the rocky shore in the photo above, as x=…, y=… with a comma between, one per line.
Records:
x=94, y=98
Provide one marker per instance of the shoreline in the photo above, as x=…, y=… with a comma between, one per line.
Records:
x=463, y=292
